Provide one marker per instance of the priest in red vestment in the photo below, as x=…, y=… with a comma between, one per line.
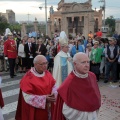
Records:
x=37, y=93
x=78, y=96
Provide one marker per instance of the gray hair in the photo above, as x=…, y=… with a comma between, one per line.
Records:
x=77, y=55
x=37, y=58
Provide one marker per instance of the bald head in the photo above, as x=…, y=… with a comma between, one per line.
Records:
x=39, y=58
x=81, y=63
x=40, y=63
x=79, y=56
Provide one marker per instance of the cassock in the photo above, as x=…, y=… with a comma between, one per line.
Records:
x=62, y=67
x=78, y=98
x=1, y=102
x=35, y=108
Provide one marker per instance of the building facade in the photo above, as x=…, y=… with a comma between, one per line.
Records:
x=74, y=18
x=9, y=15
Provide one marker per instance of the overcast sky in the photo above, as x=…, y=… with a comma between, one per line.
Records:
x=23, y=7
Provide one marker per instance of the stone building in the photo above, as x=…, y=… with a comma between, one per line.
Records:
x=9, y=15
x=74, y=17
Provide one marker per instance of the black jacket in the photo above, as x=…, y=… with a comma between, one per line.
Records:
x=32, y=51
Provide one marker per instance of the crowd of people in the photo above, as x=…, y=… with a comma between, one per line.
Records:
x=104, y=59
x=58, y=68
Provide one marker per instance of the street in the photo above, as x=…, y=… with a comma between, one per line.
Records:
x=10, y=91
x=110, y=94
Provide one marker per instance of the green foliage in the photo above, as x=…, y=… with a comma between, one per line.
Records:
x=3, y=24
x=42, y=28
x=111, y=22
x=16, y=27
x=3, y=19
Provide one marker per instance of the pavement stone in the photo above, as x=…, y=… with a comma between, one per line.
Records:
x=110, y=100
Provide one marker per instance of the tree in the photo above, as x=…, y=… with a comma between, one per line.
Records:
x=3, y=19
x=16, y=27
x=111, y=22
x=3, y=24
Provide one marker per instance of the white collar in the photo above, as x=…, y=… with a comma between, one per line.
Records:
x=36, y=73
x=80, y=75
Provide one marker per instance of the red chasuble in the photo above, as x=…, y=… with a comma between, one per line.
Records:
x=79, y=93
x=31, y=84
x=1, y=100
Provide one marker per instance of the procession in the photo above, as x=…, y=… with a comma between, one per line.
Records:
x=64, y=73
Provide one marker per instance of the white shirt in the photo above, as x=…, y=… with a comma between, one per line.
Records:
x=21, y=51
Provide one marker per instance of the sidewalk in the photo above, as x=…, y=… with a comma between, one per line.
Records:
x=110, y=95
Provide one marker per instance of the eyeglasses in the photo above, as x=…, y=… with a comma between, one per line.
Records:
x=45, y=63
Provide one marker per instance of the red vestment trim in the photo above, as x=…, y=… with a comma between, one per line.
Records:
x=31, y=84
x=81, y=93
x=78, y=93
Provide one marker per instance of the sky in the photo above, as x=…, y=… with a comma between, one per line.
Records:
x=24, y=7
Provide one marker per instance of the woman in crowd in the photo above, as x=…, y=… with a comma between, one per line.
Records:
x=84, y=41
x=95, y=59
x=88, y=51
x=52, y=54
x=102, y=64
x=22, y=57
x=74, y=49
x=81, y=47
x=90, y=41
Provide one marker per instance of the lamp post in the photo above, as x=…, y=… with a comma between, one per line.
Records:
x=45, y=15
x=28, y=17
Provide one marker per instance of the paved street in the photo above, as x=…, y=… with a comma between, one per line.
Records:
x=10, y=90
x=110, y=93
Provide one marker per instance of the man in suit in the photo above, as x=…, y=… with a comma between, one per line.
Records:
x=40, y=48
x=30, y=52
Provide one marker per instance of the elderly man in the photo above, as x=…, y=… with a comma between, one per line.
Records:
x=78, y=96
x=62, y=61
x=37, y=92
